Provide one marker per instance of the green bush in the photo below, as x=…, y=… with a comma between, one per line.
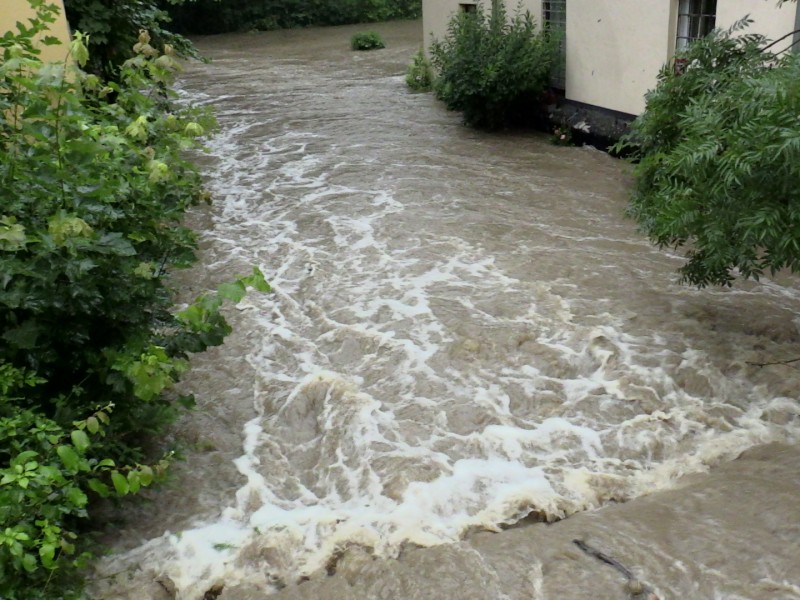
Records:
x=718, y=151
x=494, y=68
x=419, y=76
x=366, y=40
x=94, y=184
x=111, y=29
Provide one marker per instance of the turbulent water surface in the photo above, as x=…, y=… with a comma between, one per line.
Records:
x=464, y=331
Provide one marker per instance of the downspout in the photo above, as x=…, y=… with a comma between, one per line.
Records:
x=796, y=38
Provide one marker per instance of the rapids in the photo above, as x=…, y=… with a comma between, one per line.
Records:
x=464, y=332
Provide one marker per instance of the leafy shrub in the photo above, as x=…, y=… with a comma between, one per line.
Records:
x=367, y=40
x=45, y=491
x=493, y=68
x=111, y=29
x=419, y=76
x=94, y=183
x=719, y=159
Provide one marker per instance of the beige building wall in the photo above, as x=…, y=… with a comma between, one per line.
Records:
x=12, y=11
x=436, y=14
x=615, y=49
x=768, y=18
x=628, y=41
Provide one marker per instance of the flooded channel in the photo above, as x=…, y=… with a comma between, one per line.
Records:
x=465, y=333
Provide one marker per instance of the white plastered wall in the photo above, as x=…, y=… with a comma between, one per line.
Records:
x=615, y=49
x=768, y=18
x=436, y=14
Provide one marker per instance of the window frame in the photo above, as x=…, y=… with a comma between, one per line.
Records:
x=554, y=18
x=695, y=20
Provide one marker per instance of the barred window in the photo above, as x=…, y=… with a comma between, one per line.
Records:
x=696, y=19
x=467, y=8
x=554, y=18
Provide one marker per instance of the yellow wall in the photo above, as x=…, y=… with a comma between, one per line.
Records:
x=12, y=11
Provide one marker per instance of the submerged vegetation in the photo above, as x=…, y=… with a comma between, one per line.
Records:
x=494, y=68
x=718, y=150
x=95, y=183
x=367, y=40
x=419, y=76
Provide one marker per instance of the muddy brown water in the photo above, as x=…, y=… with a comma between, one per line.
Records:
x=466, y=341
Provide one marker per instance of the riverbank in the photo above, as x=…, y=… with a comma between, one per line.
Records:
x=711, y=536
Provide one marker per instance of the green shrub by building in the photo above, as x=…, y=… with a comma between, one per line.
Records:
x=367, y=40
x=492, y=68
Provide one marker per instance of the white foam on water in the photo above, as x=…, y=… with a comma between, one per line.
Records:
x=410, y=388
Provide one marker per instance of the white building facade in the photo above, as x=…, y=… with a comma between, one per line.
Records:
x=615, y=48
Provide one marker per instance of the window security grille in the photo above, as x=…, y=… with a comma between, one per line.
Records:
x=696, y=19
x=554, y=18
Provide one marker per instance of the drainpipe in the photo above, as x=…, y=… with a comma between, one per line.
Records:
x=796, y=38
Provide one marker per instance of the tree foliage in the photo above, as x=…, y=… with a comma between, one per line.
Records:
x=112, y=28
x=218, y=16
x=492, y=67
x=94, y=183
x=719, y=159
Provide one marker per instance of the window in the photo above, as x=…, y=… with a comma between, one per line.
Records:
x=554, y=18
x=696, y=19
x=467, y=8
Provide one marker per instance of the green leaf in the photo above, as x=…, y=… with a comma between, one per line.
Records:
x=76, y=497
x=80, y=440
x=145, y=475
x=120, y=483
x=134, y=482
x=25, y=336
x=99, y=488
x=92, y=425
x=29, y=563
x=257, y=281
x=69, y=458
x=47, y=552
x=232, y=291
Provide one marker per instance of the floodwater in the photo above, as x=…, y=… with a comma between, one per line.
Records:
x=465, y=336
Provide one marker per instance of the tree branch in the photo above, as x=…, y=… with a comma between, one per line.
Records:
x=635, y=587
x=779, y=40
x=777, y=362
